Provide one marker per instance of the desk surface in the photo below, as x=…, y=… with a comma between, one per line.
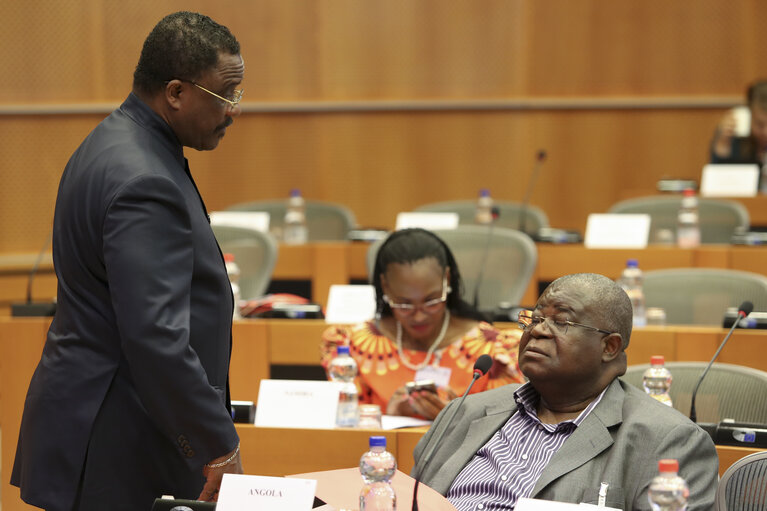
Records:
x=273, y=451
x=326, y=263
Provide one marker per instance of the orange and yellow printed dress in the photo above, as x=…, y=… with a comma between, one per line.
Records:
x=381, y=373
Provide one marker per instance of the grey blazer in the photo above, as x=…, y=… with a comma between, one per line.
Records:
x=129, y=400
x=620, y=442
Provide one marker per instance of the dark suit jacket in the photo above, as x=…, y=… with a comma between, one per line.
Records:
x=619, y=442
x=129, y=400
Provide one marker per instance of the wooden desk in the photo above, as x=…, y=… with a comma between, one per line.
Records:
x=279, y=452
x=271, y=451
x=326, y=263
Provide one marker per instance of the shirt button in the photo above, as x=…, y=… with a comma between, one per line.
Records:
x=504, y=477
x=524, y=456
x=480, y=506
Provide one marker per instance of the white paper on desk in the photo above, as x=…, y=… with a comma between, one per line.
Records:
x=525, y=504
x=617, y=230
x=349, y=305
x=729, y=180
x=258, y=220
x=297, y=404
x=240, y=492
x=400, y=421
x=429, y=221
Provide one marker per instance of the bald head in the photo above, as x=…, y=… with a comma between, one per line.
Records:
x=606, y=297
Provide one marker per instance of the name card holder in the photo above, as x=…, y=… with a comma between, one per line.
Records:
x=264, y=493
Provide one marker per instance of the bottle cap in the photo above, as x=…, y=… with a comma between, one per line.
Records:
x=377, y=441
x=632, y=263
x=668, y=465
x=342, y=350
x=228, y=257
x=688, y=192
x=295, y=192
x=657, y=360
x=484, y=192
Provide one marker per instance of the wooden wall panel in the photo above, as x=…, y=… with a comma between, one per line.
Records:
x=381, y=162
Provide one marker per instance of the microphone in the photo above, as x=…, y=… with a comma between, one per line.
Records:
x=35, y=309
x=481, y=367
x=743, y=311
x=495, y=212
x=539, y=160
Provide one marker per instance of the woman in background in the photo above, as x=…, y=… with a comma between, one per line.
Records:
x=423, y=330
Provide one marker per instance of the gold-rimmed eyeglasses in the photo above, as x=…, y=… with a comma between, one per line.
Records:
x=527, y=320
x=232, y=103
x=429, y=306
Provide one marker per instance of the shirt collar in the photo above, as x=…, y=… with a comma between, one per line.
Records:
x=527, y=398
x=144, y=116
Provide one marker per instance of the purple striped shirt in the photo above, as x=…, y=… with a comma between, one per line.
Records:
x=508, y=465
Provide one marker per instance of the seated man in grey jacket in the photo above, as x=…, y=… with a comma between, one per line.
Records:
x=574, y=426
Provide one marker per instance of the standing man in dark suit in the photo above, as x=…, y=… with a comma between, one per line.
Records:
x=130, y=399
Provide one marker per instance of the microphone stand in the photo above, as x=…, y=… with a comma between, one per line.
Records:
x=741, y=314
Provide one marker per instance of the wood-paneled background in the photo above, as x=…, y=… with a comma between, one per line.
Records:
x=386, y=104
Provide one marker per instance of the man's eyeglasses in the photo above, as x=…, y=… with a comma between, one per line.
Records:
x=429, y=307
x=527, y=321
x=232, y=102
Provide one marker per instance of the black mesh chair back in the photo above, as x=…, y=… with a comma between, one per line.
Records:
x=701, y=296
x=255, y=253
x=325, y=221
x=743, y=486
x=728, y=391
x=719, y=218
x=510, y=214
x=503, y=259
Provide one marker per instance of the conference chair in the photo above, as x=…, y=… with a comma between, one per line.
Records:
x=728, y=392
x=326, y=221
x=255, y=252
x=510, y=214
x=743, y=486
x=701, y=296
x=719, y=218
x=500, y=261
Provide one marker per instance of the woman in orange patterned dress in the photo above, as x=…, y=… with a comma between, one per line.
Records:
x=423, y=330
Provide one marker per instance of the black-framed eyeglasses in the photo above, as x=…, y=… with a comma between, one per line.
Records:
x=429, y=306
x=527, y=320
x=231, y=102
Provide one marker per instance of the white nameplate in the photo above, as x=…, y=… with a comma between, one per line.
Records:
x=297, y=404
x=349, y=305
x=616, y=230
x=721, y=180
x=240, y=492
x=439, y=375
x=258, y=220
x=428, y=221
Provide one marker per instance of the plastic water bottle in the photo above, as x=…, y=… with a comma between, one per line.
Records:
x=656, y=380
x=688, y=222
x=668, y=491
x=295, y=231
x=377, y=467
x=343, y=369
x=233, y=272
x=631, y=281
x=484, y=211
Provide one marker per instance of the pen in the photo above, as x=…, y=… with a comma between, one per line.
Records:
x=602, y=494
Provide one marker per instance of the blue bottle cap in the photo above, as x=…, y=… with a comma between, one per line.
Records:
x=295, y=192
x=342, y=350
x=632, y=263
x=377, y=441
x=484, y=192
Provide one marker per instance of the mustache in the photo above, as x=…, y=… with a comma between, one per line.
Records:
x=226, y=124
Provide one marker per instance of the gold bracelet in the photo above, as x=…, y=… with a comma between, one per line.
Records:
x=226, y=462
